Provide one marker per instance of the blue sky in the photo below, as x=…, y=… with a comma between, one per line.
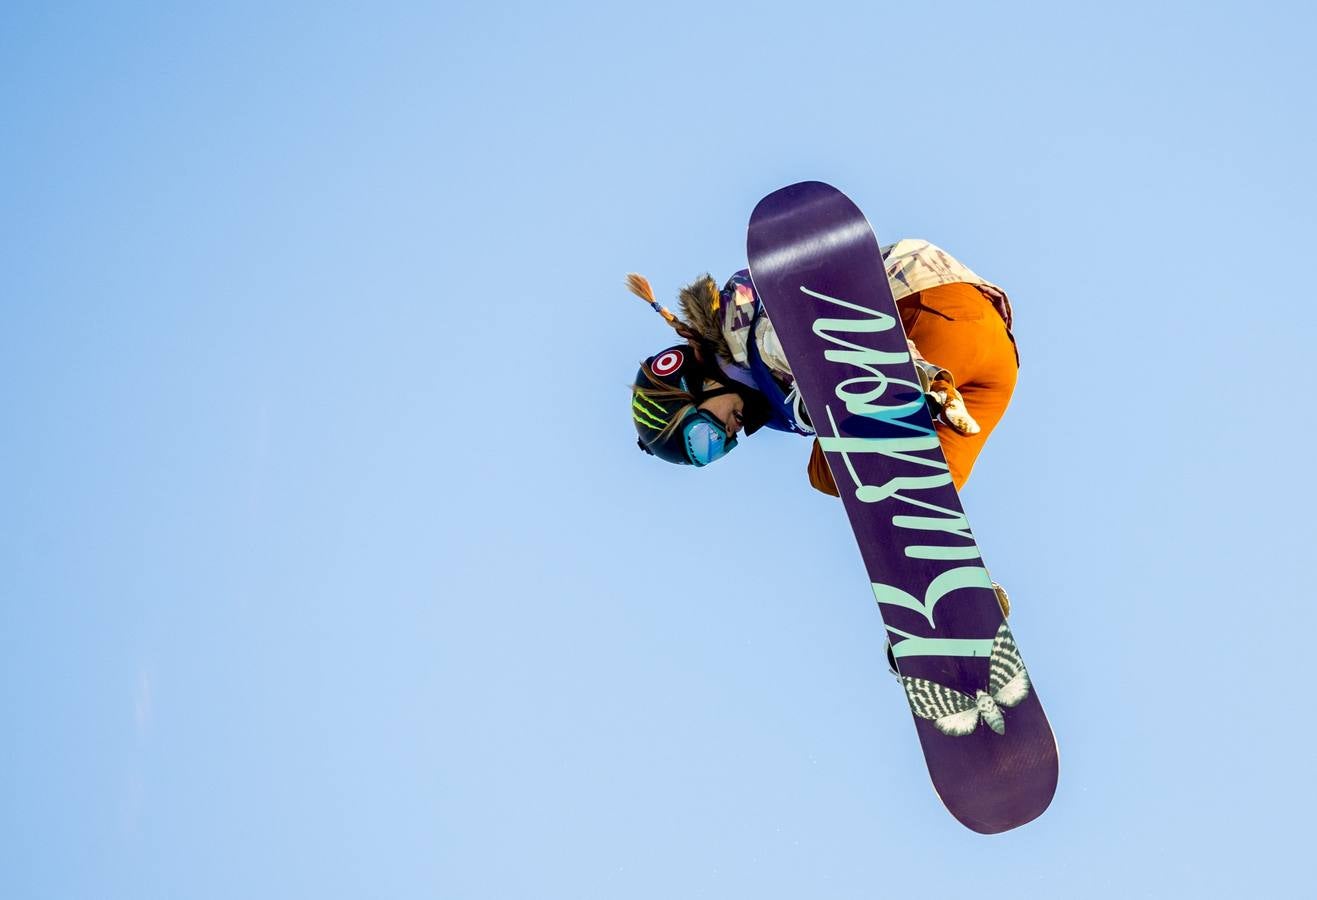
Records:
x=328, y=565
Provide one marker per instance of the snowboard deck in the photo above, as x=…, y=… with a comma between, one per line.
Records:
x=816, y=265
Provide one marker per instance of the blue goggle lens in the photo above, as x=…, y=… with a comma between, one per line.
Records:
x=706, y=439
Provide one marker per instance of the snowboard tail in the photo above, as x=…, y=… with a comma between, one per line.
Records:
x=817, y=267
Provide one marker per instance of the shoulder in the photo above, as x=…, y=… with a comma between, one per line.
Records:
x=906, y=248
x=738, y=287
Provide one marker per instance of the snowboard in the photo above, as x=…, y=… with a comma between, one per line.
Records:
x=816, y=265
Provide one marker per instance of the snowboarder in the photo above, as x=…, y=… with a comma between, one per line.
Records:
x=690, y=401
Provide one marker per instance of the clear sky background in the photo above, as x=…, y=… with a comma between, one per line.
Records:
x=329, y=566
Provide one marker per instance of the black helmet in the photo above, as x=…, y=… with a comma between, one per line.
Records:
x=668, y=389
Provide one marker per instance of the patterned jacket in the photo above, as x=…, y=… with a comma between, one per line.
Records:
x=912, y=266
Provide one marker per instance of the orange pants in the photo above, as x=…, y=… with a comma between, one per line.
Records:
x=955, y=327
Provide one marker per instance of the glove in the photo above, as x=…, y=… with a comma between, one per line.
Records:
x=944, y=401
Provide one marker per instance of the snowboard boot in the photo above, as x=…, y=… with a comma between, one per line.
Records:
x=1003, y=599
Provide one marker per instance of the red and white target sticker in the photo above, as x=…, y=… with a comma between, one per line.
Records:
x=667, y=362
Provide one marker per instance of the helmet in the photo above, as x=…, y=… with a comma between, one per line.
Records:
x=665, y=407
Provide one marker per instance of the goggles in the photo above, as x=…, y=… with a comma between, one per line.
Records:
x=705, y=438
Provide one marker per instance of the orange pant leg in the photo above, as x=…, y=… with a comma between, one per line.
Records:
x=955, y=326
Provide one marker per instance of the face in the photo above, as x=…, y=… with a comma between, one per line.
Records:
x=727, y=408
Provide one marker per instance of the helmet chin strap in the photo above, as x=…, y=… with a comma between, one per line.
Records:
x=716, y=392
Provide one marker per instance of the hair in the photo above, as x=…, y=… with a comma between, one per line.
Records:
x=664, y=396
x=639, y=285
x=701, y=304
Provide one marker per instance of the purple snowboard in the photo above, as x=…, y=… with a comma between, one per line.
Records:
x=816, y=265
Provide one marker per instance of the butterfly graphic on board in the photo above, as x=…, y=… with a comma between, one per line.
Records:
x=956, y=713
